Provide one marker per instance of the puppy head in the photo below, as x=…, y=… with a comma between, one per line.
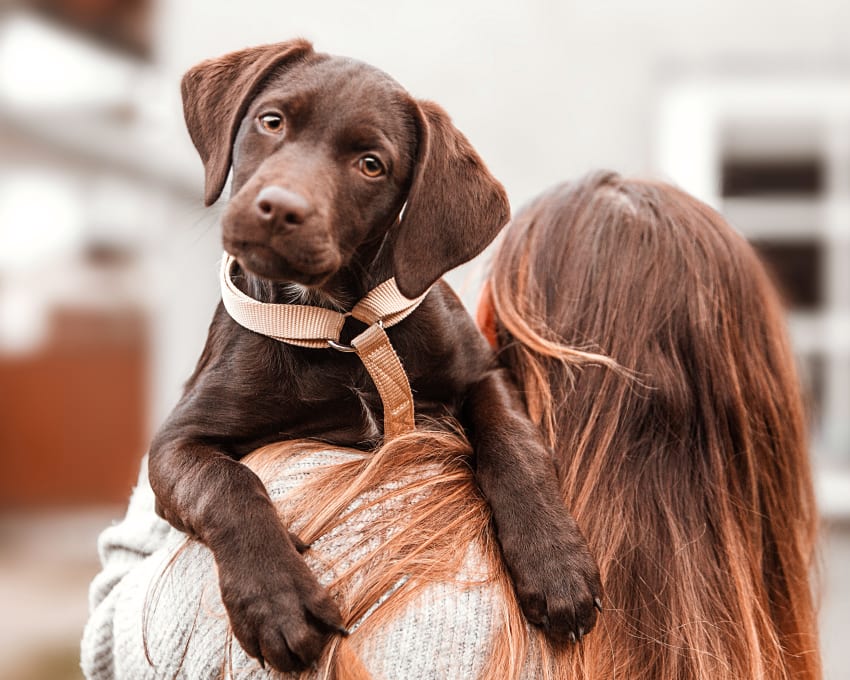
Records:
x=325, y=151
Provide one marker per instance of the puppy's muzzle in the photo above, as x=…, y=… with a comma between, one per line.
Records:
x=281, y=209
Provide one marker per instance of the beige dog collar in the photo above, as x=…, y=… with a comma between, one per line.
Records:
x=319, y=328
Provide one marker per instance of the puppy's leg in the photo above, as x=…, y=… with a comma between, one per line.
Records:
x=278, y=610
x=556, y=578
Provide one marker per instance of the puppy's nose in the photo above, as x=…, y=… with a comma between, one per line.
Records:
x=282, y=207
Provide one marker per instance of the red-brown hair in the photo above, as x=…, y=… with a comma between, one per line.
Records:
x=690, y=476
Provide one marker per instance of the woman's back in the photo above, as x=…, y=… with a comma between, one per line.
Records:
x=688, y=471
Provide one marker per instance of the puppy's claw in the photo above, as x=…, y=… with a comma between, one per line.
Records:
x=262, y=661
x=572, y=636
x=544, y=622
x=598, y=604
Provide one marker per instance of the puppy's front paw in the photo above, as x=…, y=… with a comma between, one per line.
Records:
x=280, y=615
x=557, y=583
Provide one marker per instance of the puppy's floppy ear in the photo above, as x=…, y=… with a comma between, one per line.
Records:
x=216, y=94
x=455, y=207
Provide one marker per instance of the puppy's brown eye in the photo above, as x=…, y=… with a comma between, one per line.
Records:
x=371, y=166
x=272, y=122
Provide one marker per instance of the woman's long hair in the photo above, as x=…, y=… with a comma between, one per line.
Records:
x=690, y=477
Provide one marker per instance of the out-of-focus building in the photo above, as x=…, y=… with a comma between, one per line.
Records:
x=772, y=153
x=108, y=261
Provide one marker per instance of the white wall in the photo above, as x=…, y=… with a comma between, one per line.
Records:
x=546, y=90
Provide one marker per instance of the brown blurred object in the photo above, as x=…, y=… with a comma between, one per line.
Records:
x=122, y=24
x=73, y=414
x=796, y=266
x=772, y=177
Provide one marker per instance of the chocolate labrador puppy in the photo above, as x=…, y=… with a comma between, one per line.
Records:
x=325, y=153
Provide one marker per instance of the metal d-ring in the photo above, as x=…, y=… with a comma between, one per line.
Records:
x=340, y=348
x=333, y=344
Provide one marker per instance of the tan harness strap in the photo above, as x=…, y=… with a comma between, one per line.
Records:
x=380, y=359
x=293, y=324
x=319, y=328
x=385, y=303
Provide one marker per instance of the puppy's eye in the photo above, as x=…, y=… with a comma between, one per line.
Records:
x=272, y=122
x=371, y=166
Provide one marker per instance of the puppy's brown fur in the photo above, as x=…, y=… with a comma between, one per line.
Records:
x=309, y=220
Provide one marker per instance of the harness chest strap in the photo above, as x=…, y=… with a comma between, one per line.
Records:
x=317, y=327
x=380, y=359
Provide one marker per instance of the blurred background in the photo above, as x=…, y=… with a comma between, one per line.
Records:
x=108, y=261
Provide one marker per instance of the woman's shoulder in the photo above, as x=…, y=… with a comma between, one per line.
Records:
x=420, y=595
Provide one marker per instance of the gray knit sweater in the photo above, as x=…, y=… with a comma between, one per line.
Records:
x=446, y=632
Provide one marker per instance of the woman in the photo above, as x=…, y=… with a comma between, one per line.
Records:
x=684, y=462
